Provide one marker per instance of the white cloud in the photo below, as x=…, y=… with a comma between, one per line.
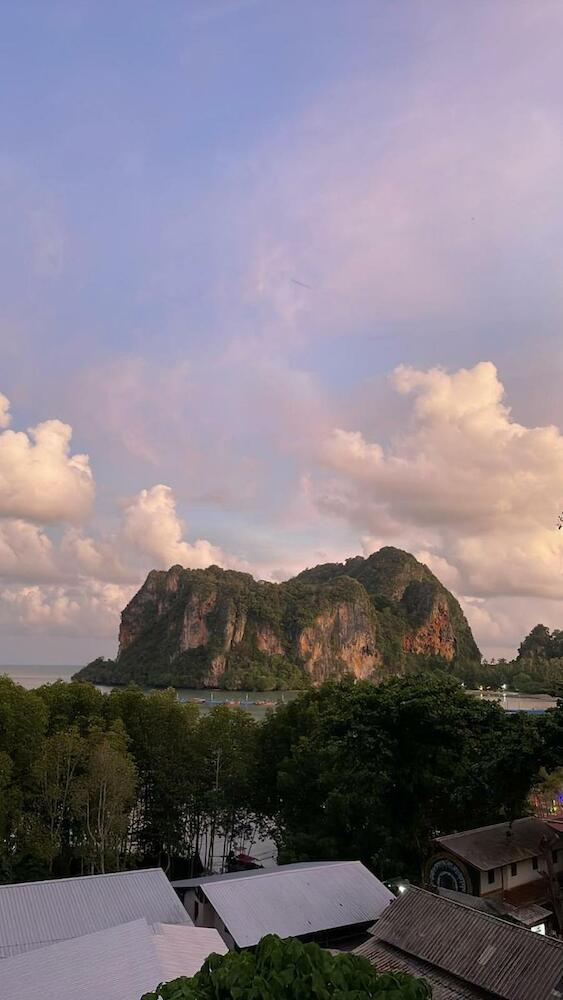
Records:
x=40, y=480
x=152, y=527
x=91, y=608
x=26, y=552
x=472, y=491
x=5, y=418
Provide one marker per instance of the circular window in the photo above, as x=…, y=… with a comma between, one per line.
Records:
x=445, y=874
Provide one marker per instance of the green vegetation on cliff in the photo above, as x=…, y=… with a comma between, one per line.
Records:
x=371, y=618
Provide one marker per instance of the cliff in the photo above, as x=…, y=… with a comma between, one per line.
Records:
x=218, y=628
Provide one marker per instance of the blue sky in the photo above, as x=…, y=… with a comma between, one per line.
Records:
x=171, y=176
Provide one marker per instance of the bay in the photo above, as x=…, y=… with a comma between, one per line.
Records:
x=257, y=703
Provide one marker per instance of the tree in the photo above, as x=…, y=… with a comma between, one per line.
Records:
x=104, y=797
x=290, y=970
x=23, y=721
x=75, y=704
x=162, y=733
x=225, y=789
x=64, y=754
x=358, y=771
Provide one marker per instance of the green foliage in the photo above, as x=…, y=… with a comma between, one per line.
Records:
x=425, y=757
x=290, y=970
x=92, y=782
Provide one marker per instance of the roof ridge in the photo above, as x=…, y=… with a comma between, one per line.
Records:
x=77, y=878
x=257, y=873
x=490, y=826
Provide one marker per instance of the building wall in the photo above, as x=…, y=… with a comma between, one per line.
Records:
x=203, y=914
x=525, y=874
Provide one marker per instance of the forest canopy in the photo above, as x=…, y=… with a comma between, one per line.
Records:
x=93, y=782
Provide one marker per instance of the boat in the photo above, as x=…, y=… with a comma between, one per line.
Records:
x=232, y=703
x=197, y=701
x=266, y=704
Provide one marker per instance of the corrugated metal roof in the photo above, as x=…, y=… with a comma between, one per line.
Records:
x=491, y=954
x=385, y=958
x=192, y=883
x=494, y=846
x=296, y=900
x=181, y=951
x=119, y=963
x=33, y=914
x=529, y=916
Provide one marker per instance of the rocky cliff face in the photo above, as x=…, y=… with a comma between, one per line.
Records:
x=216, y=627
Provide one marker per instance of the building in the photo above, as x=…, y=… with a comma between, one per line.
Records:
x=321, y=901
x=516, y=865
x=36, y=914
x=464, y=952
x=119, y=963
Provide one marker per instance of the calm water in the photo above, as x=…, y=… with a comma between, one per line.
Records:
x=31, y=677
x=255, y=702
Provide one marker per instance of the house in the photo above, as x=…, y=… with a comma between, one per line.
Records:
x=118, y=963
x=463, y=952
x=314, y=901
x=35, y=914
x=515, y=864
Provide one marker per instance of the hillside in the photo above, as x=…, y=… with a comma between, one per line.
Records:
x=369, y=617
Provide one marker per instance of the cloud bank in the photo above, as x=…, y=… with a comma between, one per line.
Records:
x=40, y=479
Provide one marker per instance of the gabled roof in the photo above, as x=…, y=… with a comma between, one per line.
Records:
x=528, y=916
x=34, y=914
x=119, y=963
x=385, y=958
x=494, y=846
x=295, y=900
x=202, y=880
x=493, y=955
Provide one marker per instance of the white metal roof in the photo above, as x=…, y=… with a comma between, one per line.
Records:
x=119, y=963
x=181, y=951
x=297, y=900
x=34, y=914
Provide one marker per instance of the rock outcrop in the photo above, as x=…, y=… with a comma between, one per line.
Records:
x=213, y=627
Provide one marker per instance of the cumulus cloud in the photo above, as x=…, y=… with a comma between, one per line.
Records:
x=151, y=525
x=26, y=552
x=40, y=480
x=88, y=609
x=463, y=484
x=5, y=418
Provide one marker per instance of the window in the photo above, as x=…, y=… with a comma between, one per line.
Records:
x=514, y=868
x=535, y=864
x=491, y=874
x=554, y=857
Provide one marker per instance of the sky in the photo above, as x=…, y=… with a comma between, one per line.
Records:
x=280, y=283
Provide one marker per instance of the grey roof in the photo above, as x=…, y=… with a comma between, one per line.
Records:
x=119, y=963
x=33, y=914
x=181, y=950
x=493, y=955
x=385, y=958
x=494, y=846
x=202, y=880
x=296, y=900
x=529, y=915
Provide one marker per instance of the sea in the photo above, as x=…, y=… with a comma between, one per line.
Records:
x=257, y=703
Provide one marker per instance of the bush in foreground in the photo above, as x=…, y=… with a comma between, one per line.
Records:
x=290, y=970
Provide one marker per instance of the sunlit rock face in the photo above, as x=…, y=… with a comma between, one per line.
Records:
x=366, y=617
